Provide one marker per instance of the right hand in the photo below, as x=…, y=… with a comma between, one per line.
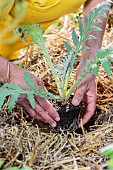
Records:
x=43, y=111
x=86, y=92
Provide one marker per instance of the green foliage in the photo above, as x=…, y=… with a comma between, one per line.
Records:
x=12, y=168
x=62, y=71
x=15, y=91
x=108, y=152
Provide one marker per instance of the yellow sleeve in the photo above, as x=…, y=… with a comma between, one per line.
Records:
x=5, y=7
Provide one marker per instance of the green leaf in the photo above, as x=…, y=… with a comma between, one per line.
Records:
x=13, y=168
x=98, y=20
x=95, y=28
x=104, y=53
x=95, y=69
x=28, y=80
x=42, y=93
x=26, y=168
x=81, y=30
x=106, y=64
x=12, y=101
x=103, y=14
x=31, y=99
x=110, y=164
x=89, y=37
x=12, y=86
x=86, y=20
x=75, y=38
x=84, y=48
x=107, y=150
x=35, y=31
x=68, y=47
x=1, y=163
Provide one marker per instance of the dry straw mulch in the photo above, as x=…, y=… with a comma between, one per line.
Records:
x=23, y=143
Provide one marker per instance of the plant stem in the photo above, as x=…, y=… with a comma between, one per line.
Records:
x=74, y=86
x=48, y=59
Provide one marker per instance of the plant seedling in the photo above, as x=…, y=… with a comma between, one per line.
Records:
x=62, y=71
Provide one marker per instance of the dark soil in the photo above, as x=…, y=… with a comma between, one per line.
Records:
x=69, y=118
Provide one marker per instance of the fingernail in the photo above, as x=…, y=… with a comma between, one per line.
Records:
x=53, y=125
x=75, y=102
x=57, y=119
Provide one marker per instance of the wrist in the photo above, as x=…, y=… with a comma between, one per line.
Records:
x=81, y=68
x=89, y=55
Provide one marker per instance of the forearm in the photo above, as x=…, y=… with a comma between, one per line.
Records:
x=8, y=71
x=4, y=70
x=94, y=44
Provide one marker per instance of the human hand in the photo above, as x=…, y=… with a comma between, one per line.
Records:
x=43, y=111
x=86, y=92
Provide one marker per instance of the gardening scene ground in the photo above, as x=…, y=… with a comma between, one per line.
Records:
x=25, y=141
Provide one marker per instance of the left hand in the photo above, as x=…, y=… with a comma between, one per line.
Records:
x=86, y=92
x=43, y=110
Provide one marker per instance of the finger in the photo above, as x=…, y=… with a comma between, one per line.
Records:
x=90, y=109
x=46, y=105
x=45, y=115
x=34, y=114
x=27, y=107
x=78, y=96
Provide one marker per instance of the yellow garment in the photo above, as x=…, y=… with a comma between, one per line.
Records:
x=44, y=12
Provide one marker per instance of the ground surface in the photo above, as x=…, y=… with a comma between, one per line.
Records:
x=23, y=142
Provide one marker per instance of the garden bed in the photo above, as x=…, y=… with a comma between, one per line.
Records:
x=25, y=141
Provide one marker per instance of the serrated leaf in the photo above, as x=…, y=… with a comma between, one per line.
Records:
x=31, y=99
x=75, y=38
x=106, y=64
x=98, y=21
x=67, y=46
x=36, y=32
x=81, y=30
x=42, y=93
x=12, y=86
x=12, y=101
x=86, y=20
x=94, y=28
x=102, y=14
x=84, y=48
x=104, y=53
x=95, y=69
x=89, y=37
x=28, y=80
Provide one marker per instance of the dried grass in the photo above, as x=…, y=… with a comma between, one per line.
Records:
x=24, y=143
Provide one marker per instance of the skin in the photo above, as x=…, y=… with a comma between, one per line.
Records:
x=85, y=92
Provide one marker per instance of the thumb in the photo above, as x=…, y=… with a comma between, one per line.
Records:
x=78, y=96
